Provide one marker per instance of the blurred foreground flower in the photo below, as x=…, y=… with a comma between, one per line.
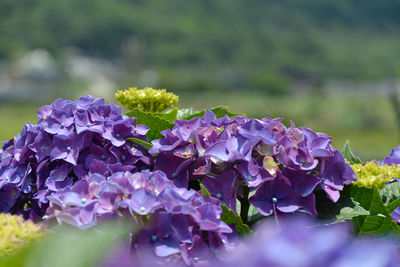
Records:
x=298, y=243
x=147, y=99
x=15, y=232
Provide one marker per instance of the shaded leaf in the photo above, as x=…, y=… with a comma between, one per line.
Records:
x=344, y=209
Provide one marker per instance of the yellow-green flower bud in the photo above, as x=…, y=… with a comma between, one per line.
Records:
x=15, y=232
x=147, y=99
x=373, y=175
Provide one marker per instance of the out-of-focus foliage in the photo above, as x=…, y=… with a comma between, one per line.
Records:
x=69, y=247
x=146, y=99
x=15, y=232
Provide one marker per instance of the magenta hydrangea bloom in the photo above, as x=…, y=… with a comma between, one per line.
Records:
x=71, y=140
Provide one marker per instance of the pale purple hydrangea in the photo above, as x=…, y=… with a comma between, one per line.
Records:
x=70, y=141
x=282, y=166
x=179, y=220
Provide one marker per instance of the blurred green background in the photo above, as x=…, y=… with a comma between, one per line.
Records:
x=333, y=66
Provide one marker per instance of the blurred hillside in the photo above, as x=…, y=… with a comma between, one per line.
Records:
x=208, y=45
x=329, y=65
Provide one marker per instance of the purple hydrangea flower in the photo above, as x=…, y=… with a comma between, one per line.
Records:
x=256, y=154
x=71, y=141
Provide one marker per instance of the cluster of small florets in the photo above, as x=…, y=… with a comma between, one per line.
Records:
x=176, y=222
x=70, y=141
x=375, y=175
x=147, y=99
x=15, y=232
x=284, y=166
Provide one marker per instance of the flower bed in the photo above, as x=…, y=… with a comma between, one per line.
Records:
x=198, y=188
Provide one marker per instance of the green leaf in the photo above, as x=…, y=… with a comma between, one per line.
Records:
x=380, y=221
x=156, y=124
x=369, y=199
x=348, y=155
x=186, y=112
x=204, y=191
x=348, y=213
x=230, y=217
x=140, y=142
x=390, y=192
x=344, y=209
x=393, y=205
x=169, y=116
x=219, y=112
x=368, y=225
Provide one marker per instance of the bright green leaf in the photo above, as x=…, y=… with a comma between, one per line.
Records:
x=156, y=124
x=369, y=199
x=140, y=142
x=186, y=112
x=368, y=225
x=390, y=192
x=219, y=112
x=169, y=116
x=393, y=205
x=230, y=217
x=204, y=191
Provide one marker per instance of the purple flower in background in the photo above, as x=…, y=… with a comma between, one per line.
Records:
x=393, y=158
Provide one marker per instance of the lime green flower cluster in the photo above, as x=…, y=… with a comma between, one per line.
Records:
x=147, y=99
x=373, y=175
x=15, y=232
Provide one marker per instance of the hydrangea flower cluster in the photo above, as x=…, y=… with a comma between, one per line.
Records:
x=147, y=99
x=375, y=175
x=71, y=140
x=296, y=244
x=179, y=224
x=231, y=157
